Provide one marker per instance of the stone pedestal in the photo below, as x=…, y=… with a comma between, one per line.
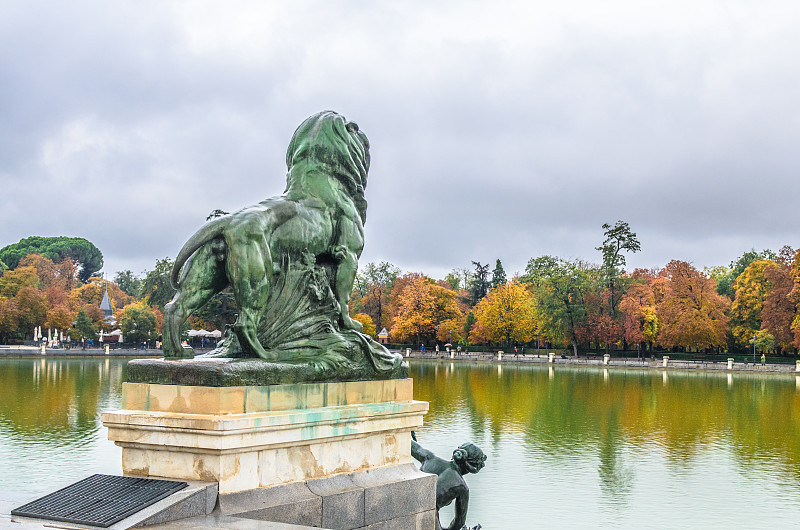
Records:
x=250, y=437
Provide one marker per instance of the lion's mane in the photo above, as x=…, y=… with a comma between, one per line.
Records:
x=327, y=143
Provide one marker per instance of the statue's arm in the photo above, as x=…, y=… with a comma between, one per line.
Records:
x=419, y=452
x=462, y=503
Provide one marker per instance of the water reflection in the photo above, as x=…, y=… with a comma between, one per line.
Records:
x=50, y=431
x=567, y=447
x=640, y=430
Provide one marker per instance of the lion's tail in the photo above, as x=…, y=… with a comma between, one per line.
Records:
x=207, y=232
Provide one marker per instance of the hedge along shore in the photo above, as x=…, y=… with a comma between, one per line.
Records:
x=614, y=362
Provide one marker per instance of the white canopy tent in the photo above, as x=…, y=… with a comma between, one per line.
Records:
x=203, y=333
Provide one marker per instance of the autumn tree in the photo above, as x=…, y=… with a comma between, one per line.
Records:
x=63, y=275
x=366, y=323
x=421, y=307
x=638, y=308
x=8, y=318
x=599, y=325
x=508, y=313
x=726, y=276
x=31, y=305
x=559, y=289
x=692, y=313
x=137, y=322
x=12, y=281
x=451, y=329
x=751, y=288
x=374, y=285
x=91, y=293
x=794, y=297
x=778, y=311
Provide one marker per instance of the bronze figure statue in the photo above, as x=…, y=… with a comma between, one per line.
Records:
x=450, y=485
x=290, y=260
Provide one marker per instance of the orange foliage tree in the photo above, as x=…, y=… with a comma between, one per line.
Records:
x=639, y=320
x=692, y=313
x=778, y=311
x=421, y=306
x=794, y=298
x=92, y=292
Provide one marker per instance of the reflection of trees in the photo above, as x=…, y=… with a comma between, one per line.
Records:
x=579, y=411
x=52, y=400
x=616, y=479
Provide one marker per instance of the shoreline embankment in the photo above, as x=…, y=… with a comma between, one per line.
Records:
x=544, y=359
x=600, y=361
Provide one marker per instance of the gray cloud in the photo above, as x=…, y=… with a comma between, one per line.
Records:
x=506, y=133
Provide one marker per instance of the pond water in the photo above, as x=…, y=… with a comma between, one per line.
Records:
x=566, y=446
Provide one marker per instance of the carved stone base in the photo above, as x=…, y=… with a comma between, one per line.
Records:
x=251, y=437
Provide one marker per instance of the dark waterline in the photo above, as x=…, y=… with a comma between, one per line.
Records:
x=567, y=447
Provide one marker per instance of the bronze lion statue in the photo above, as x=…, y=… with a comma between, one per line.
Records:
x=290, y=260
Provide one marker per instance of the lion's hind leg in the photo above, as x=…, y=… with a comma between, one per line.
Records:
x=203, y=277
x=250, y=272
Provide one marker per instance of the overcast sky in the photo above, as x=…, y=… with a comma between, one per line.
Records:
x=498, y=129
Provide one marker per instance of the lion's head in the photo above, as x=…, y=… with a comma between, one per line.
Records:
x=328, y=142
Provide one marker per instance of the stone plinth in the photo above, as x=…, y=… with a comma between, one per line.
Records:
x=251, y=437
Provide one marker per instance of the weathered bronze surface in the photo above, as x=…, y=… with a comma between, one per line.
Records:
x=203, y=371
x=450, y=485
x=291, y=262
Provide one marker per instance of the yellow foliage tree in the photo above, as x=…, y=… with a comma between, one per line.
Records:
x=451, y=330
x=13, y=281
x=751, y=289
x=366, y=322
x=92, y=293
x=508, y=313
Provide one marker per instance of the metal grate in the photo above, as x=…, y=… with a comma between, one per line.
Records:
x=99, y=500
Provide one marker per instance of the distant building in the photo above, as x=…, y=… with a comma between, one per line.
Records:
x=105, y=305
x=383, y=336
x=111, y=322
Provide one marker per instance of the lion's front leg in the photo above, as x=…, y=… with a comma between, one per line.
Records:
x=345, y=277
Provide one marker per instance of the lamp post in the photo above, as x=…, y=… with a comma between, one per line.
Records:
x=537, y=342
x=754, y=349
